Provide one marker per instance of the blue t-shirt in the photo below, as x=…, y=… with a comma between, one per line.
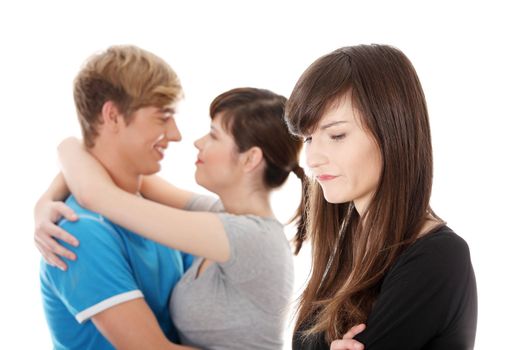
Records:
x=113, y=266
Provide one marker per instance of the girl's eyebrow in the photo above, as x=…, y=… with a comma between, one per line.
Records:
x=326, y=126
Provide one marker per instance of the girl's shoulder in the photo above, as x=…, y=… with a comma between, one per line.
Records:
x=440, y=252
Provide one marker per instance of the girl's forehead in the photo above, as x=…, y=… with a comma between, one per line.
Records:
x=217, y=122
x=337, y=113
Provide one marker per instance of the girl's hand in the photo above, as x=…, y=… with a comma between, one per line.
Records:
x=348, y=342
x=46, y=214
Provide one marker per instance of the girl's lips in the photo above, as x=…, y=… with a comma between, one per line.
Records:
x=198, y=161
x=325, y=177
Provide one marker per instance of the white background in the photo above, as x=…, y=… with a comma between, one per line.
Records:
x=469, y=56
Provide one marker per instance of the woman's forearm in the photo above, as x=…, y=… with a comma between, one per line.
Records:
x=197, y=233
x=84, y=175
x=57, y=190
x=161, y=191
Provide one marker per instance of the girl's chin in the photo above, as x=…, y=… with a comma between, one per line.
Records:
x=202, y=183
x=334, y=199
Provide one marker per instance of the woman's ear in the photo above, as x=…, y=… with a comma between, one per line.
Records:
x=252, y=158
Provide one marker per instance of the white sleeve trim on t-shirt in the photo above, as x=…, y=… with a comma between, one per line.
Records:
x=106, y=304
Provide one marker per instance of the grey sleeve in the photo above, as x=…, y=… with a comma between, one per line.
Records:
x=255, y=249
x=199, y=202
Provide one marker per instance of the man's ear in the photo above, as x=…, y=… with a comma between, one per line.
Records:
x=252, y=158
x=111, y=115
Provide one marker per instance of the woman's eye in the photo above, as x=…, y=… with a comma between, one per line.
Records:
x=338, y=137
x=307, y=139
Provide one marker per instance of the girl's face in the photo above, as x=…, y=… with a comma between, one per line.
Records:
x=343, y=157
x=218, y=166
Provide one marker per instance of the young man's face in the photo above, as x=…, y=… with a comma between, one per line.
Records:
x=143, y=141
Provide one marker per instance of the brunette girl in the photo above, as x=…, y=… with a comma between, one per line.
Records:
x=381, y=256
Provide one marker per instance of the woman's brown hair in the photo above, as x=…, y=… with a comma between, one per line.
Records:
x=255, y=118
x=351, y=252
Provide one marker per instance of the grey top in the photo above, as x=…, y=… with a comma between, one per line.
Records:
x=242, y=303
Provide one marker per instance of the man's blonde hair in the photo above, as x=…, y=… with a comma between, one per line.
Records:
x=128, y=76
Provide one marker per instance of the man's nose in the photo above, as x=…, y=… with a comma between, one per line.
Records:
x=173, y=133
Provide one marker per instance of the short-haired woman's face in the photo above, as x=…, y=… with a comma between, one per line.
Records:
x=343, y=157
x=217, y=164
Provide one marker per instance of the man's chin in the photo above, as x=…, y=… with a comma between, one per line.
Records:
x=151, y=170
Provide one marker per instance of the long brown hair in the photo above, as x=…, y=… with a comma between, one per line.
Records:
x=255, y=118
x=352, y=253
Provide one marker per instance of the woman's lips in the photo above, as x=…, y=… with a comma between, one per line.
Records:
x=325, y=177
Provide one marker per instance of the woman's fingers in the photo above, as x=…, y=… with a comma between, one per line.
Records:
x=355, y=330
x=50, y=249
x=50, y=229
x=54, y=246
x=49, y=236
x=346, y=344
x=50, y=257
x=65, y=211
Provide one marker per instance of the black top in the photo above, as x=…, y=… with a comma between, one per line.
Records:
x=428, y=300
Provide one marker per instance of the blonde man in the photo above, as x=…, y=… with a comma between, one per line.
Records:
x=116, y=294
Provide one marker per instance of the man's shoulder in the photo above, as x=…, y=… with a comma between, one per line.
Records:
x=80, y=210
x=88, y=222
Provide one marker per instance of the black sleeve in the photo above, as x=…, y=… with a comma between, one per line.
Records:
x=425, y=300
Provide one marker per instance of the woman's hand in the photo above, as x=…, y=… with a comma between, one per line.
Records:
x=348, y=342
x=46, y=214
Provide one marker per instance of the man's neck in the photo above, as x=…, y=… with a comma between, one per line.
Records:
x=120, y=172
